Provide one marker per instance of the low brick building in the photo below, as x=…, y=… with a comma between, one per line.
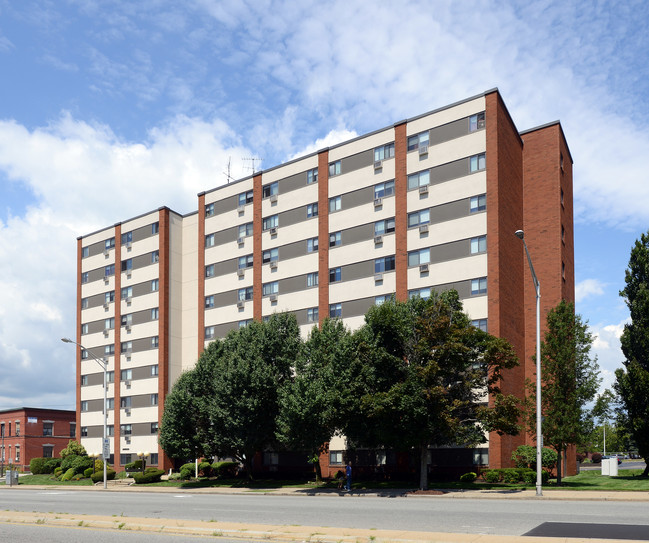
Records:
x=31, y=432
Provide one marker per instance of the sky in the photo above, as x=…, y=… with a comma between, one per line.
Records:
x=109, y=109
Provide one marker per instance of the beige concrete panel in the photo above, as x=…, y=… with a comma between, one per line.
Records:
x=228, y=219
x=446, y=116
x=477, y=308
x=289, y=234
x=349, y=254
x=288, y=268
x=102, y=235
x=466, y=146
x=362, y=144
x=299, y=166
x=357, y=179
x=98, y=287
x=455, y=189
x=354, y=323
x=230, y=189
x=92, y=418
x=97, y=261
x=140, y=275
x=343, y=219
x=466, y=227
x=97, y=313
x=361, y=288
x=92, y=445
x=338, y=443
x=147, y=329
x=291, y=200
x=92, y=392
x=140, y=303
x=139, y=359
x=225, y=283
x=145, y=220
x=142, y=247
x=290, y=301
x=228, y=313
x=457, y=270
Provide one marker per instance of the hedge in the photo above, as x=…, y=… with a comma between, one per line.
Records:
x=99, y=475
x=225, y=470
x=149, y=476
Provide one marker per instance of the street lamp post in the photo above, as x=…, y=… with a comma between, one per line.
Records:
x=104, y=367
x=539, y=436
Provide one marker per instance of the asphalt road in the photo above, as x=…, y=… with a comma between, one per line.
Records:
x=431, y=514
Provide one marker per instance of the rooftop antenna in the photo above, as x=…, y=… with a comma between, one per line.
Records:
x=253, y=160
x=227, y=173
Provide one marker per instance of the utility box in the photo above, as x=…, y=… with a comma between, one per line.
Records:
x=11, y=477
x=609, y=467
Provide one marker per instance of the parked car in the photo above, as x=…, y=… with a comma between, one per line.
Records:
x=619, y=460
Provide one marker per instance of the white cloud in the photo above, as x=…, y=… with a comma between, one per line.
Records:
x=331, y=139
x=606, y=346
x=588, y=287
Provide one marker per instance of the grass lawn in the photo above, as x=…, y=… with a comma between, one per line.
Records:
x=46, y=479
x=593, y=480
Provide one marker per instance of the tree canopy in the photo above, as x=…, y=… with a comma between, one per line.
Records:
x=632, y=382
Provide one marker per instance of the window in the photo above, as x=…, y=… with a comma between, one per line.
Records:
x=311, y=210
x=335, y=204
x=154, y=370
x=125, y=401
x=422, y=256
x=127, y=292
x=209, y=210
x=154, y=399
x=126, y=346
x=378, y=300
x=84, y=354
x=209, y=302
x=109, y=244
x=155, y=228
x=124, y=459
x=84, y=405
x=17, y=453
x=127, y=264
x=245, y=230
x=417, y=141
x=210, y=240
x=85, y=252
x=126, y=320
x=84, y=277
x=209, y=270
x=153, y=459
x=209, y=332
x=110, y=403
x=478, y=162
x=48, y=428
x=84, y=329
x=335, y=310
x=245, y=198
x=335, y=457
x=270, y=222
x=418, y=217
x=271, y=255
x=109, y=270
x=478, y=245
x=109, y=324
x=479, y=286
x=312, y=314
x=110, y=430
x=244, y=323
x=109, y=349
x=481, y=324
x=127, y=237
x=84, y=431
x=423, y=293
x=17, y=428
x=245, y=262
x=335, y=239
x=154, y=427
x=478, y=203
x=384, y=264
x=384, y=227
x=381, y=190
x=386, y=151
x=312, y=245
x=126, y=429
x=154, y=285
x=334, y=168
x=155, y=256
x=84, y=303
x=420, y=179
x=335, y=275
x=477, y=122
x=244, y=294
x=155, y=341
x=48, y=450
x=312, y=176
x=110, y=376
x=270, y=288
x=312, y=279
x=155, y=314
x=109, y=297
x=126, y=375
x=269, y=190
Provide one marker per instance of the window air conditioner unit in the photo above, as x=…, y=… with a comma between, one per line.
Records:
x=105, y=333
x=423, y=150
x=241, y=209
x=128, y=300
x=378, y=164
x=423, y=229
x=241, y=272
x=378, y=202
x=127, y=439
x=128, y=245
x=481, y=124
x=273, y=231
x=105, y=360
x=273, y=264
x=128, y=384
x=378, y=277
x=240, y=241
x=106, y=306
x=128, y=414
x=273, y=298
x=423, y=189
x=378, y=240
x=128, y=357
x=106, y=279
x=106, y=253
x=128, y=274
x=273, y=198
x=240, y=304
x=423, y=268
x=128, y=327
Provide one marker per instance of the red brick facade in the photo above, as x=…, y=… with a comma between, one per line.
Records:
x=401, y=210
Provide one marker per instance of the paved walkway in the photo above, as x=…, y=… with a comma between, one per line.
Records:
x=314, y=534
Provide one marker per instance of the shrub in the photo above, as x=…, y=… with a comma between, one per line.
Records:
x=78, y=463
x=512, y=475
x=468, y=477
x=149, y=476
x=187, y=471
x=77, y=477
x=58, y=471
x=525, y=457
x=68, y=475
x=51, y=464
x=205, y=469
x=597, y=458
x=74, y=448
x=99, y=476
x=174, y=476
x=529, y=477
x=122, y=475
x=492, y=476
x=580, y=457
x=133, y=466
x=88, y=472
x=37, y=465
x=225, y=470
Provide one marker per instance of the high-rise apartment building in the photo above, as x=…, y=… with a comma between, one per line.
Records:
x=431, y=202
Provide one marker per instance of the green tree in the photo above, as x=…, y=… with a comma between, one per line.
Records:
x=422, y=373
x=632, y=381
x=73, y=448
x=569, y=378
x=311, y=403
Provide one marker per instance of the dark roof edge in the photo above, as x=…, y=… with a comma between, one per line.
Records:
x=39, y=409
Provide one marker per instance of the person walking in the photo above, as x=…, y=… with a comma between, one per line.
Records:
x=348, y=475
